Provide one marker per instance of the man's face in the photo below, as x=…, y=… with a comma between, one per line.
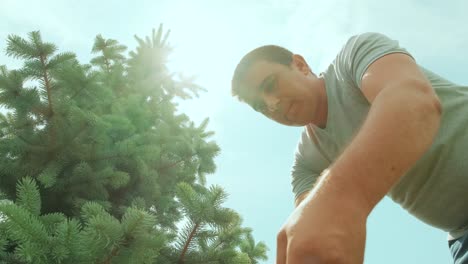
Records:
x=281, y=93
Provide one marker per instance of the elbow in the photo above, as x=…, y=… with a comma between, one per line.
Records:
x=437, y=106
x=416, y=94
x=433, y=103
x=430, y=100
x=431, y=111
x=432, y=107
x=423, y=108
x=427, y=100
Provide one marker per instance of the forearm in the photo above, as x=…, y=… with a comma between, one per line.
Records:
x=399, y=129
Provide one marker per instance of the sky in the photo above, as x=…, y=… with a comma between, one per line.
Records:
x=210, y=37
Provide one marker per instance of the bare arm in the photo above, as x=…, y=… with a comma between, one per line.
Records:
x=329, y=225
x=402, y=122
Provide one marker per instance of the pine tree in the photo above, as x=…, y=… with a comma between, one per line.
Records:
x=97, y=238
x=97, y=166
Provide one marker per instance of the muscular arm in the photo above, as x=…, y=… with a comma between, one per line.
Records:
x=402, y=122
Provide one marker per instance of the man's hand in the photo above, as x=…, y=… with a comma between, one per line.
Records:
x=325, y=228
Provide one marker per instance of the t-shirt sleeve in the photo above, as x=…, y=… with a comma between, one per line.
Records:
x=360, y=51
x=308, y=165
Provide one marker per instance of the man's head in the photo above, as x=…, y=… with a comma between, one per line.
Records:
x=280, y=85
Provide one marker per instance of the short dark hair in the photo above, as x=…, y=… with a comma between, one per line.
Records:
x=269, y=53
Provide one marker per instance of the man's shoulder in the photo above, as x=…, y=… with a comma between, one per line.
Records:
x=360, y=50
x=364, y=38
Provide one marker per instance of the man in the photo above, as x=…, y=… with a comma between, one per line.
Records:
x=375, y=123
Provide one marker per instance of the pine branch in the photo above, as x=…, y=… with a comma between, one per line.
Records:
x=164, y=168
x=18, y=47
x=131, y=225
x=120, y=156
x=28, y=196
x=221, y=241
x=31, y=145
x=187, y=243
x=107, y=63
x=26, y=124
x=77, y=92
x=47, y=83
x=83, y=128
x=113, y=253
x=49, y=99
x=105, y=157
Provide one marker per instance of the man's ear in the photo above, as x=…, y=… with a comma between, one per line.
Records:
x=299, y=63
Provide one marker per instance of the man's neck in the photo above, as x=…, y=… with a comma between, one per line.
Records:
x=322, y=114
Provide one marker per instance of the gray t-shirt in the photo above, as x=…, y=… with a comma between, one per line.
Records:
x=435, y=189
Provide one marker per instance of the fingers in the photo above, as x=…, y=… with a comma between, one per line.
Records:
x=281, y=247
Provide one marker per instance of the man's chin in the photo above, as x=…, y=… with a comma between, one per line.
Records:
x=297, y=123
